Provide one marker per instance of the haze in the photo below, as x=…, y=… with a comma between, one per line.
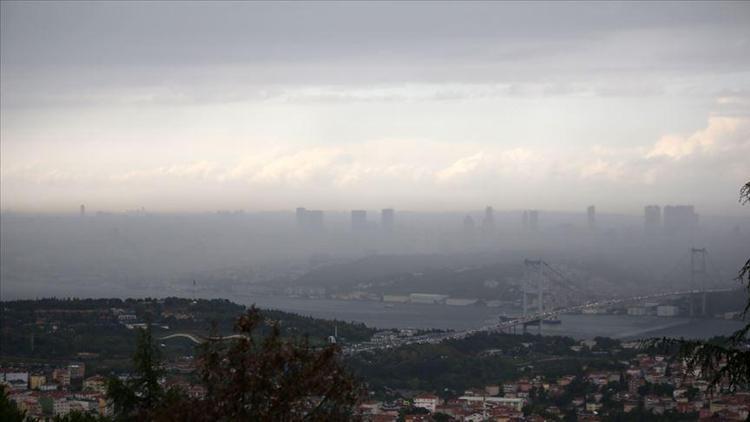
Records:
x=194, y=107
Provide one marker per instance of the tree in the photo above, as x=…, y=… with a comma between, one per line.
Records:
x=8, y=409
x=724, y=359
x=140, y=395
x=257, y=377
x=77, y=416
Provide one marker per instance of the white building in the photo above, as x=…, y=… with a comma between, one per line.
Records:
x=515, y=403
x=16, y=380
x=427, y=401
x=427, y=298
x=61, y=407
x=637, y=311
x=667, y=311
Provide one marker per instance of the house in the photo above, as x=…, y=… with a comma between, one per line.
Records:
x=96, y=383
x=427, y=401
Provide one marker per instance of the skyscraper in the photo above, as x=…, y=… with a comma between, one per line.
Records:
x=309, y=219
x=679, y=218
x=301, y=216
x=530, y=220
x=533, y=220
x=591, y=217
x=387, y=219
x=82, y=210
x=651, y=219
x=489, y=218
x=359, y=220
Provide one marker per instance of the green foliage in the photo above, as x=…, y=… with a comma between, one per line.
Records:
x=64, y=327
x=8, y=410
x=663, y=390
x=141, y=396
x=252, y=377
x=460, y=364
x=77, y=416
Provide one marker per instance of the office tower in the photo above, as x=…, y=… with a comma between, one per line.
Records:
x=489, y=218
x=530, y=220
x=525, y=220
x=301, y=216
x=82, y=210
x=651, y=219
x=591, y=217
x=359, y=220
x=679, y=218
x=387, y=219
x=309, y=219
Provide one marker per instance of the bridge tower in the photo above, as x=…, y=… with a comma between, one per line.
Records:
x=698, y=273
x=533, y=285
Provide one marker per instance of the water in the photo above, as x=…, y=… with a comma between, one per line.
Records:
x=409, y=315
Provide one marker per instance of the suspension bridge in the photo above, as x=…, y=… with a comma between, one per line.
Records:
x=540, y=304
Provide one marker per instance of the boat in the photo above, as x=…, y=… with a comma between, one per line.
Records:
x=552, y=321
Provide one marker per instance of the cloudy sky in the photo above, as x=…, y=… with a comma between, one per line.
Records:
x=422, y=106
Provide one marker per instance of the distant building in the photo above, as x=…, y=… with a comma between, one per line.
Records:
x=359, y=220
x=591, y=217
x=309, y=219
x=667, y=311
x=531, y=220
x=82, y=210
x=637, y=311
x=61, y=376
x=679, y=218
x=515, y=403
x=427, y=401
x=427, y=298
x=387, y=219
x=77, y=370
x=36, y=381
x=489, y=218
x=651, y=219
x=16, y=380
x=96, y=383
x=301, y=216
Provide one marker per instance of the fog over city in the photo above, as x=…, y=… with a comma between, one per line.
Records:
x=281, y=153
x=374, y=210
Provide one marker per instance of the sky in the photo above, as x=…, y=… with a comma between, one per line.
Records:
x=195, y=107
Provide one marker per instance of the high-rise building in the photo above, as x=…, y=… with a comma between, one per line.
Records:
x=82, y=210
x=387, y=219
x=679, y=218
x=530, y=220
x=591, y=217
x=489, y=218
x=359, y=220
x=533, y=220
x=301, y=216
x=651, y=219
x=309, y=219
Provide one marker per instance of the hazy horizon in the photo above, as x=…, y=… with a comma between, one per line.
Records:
x=198, y=107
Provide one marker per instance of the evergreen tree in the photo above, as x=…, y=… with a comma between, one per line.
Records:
x=8, y=410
